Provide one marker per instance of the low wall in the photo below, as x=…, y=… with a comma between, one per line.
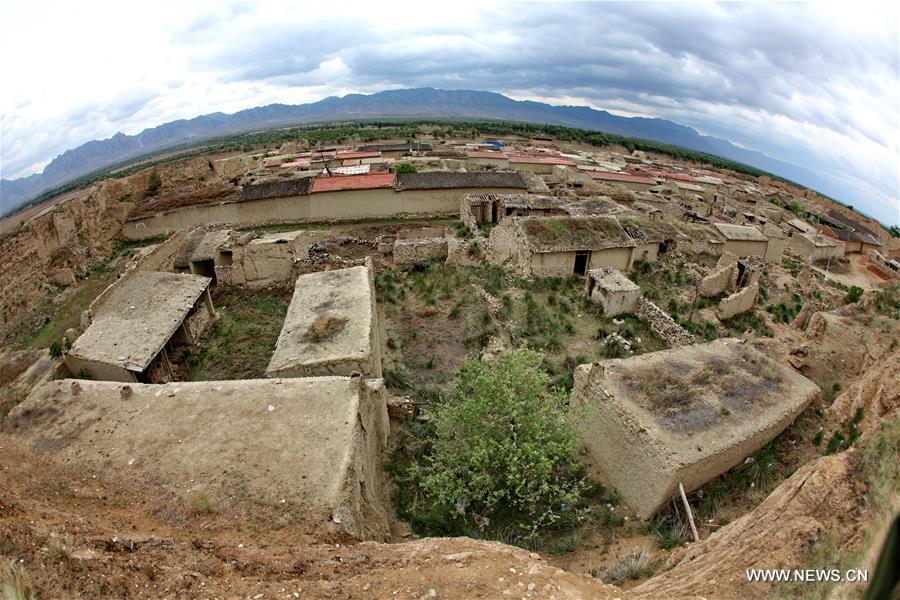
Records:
x=323, y=206
x=419, y=251
x=663, y=325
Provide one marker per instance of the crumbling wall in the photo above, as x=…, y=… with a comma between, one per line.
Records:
x=506, y=246
x=419, y=251
x=663, y=325
x=738, y=303
x=722, y=277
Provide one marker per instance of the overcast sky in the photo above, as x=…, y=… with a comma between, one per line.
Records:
x=812, y=84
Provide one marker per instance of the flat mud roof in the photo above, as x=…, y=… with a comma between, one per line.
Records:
x=300, y=446
x=330, y=327
x=138, y=317
x=687, y=414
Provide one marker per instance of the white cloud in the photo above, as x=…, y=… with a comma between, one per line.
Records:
x=816, y=84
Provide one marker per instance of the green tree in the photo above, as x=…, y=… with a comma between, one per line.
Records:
x=505, y=448
x=404, y=167
x=153, y=184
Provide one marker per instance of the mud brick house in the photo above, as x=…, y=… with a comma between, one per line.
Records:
x=143, y=317
x=684, y=415
x=331, y=327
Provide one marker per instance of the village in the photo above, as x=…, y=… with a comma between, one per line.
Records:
x=277, y=324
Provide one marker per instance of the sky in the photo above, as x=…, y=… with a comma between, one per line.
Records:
x=813, y=84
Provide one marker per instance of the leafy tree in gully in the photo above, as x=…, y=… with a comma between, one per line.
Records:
x=505, y=449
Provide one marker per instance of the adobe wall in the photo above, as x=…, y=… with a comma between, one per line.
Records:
x=506, y=248
x=738, y=303
x=323, y=206
x=663, y=325
x=308, y=448
x=775, y=249
x=721, y=279
x=645, y=450
x=612, y=291
x=346, y=296
x=741, y=248
x=97, y=370
x=419, y=251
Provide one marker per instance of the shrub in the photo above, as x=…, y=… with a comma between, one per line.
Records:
x=200, y=503
x=505, y=449
x=853, y=295
x=153, y=184
x=58, y=547
x=59, y=348
x=613, y=348
x=634, y=566
x=404, y=167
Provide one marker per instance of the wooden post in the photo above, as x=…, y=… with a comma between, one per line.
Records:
x=690, y=515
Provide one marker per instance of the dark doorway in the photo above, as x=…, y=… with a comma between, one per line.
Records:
x=664, y=246
x=742, y=271
x=581, y=262
x=206, y=268
x=493, y=212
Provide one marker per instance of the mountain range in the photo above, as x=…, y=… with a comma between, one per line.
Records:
x=422, y=102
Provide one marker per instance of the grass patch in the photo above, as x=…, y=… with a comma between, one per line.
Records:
x=240, y=344
x=58, y=547
x=635, y=565
x=15, y=584
x=324, y=328
x=199, y=503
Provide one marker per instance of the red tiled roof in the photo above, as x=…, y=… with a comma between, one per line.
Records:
x=351, y=154
x=297, y=163
x=542, y=160
x=622, y=177
x=480, y=154
x=353, y=182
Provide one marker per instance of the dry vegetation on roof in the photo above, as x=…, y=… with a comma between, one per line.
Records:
x=569, y=232
x=324, y=328
x=694, y=396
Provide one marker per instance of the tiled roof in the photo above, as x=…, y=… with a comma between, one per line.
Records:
x=353, y=182
x=394, y=147
x=302, y=162
x=518, y=200
x=351, y=154
x=542, y=160
x=479, y=154
x=621, y=177
x=439, y=180
x=299, y=186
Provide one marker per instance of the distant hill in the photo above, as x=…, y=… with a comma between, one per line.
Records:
x=423, y=102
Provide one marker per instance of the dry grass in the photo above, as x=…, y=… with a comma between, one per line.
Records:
x=58, y=547
x=633, y=566
x=325, y=328
x=15, y=583
x=200, y=503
